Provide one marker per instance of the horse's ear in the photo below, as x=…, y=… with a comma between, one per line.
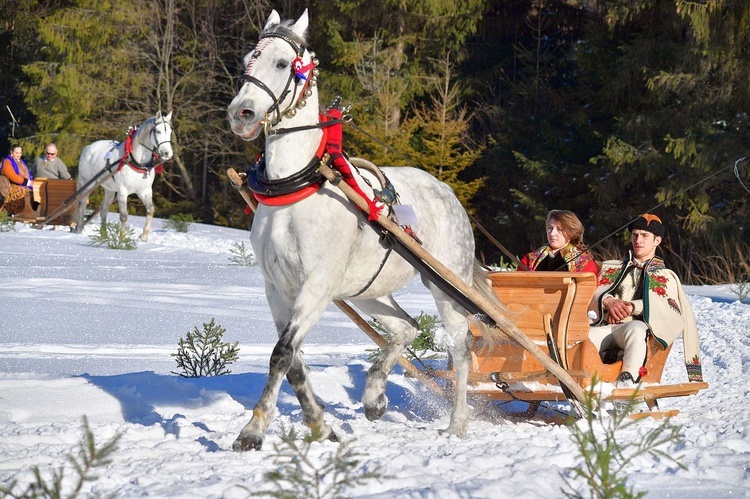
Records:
x=300, y=26
x=169, y=116
x=273, y=20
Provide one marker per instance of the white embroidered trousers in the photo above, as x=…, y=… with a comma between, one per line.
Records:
x=628, y=336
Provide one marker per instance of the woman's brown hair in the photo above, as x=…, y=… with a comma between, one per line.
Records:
x=570, y=224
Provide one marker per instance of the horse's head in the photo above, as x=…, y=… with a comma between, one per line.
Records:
x=279, y=73
x=161, y=135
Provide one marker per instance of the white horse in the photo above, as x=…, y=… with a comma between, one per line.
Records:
x=134, y=161
x=321, y=248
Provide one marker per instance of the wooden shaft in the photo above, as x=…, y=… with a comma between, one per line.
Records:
x=494, y=241
x=409, y=367
x=244, y=191
x=483, y=303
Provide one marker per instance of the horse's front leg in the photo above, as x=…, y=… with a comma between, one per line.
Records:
x=312, y=410
x=148, y=202
x=285, y=360
x=403, y=329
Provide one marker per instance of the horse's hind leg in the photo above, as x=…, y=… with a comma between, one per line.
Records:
x=403, y=329
x=456, y=326
x=80, y=215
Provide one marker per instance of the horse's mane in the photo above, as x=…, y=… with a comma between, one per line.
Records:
x=283, y=29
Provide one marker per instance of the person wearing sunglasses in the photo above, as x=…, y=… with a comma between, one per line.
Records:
x=49, y=165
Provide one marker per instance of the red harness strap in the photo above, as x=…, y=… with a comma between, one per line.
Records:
x=333, y=148
x=331, y=144
x=295, y=196
x=286, y=199
x=128, y=150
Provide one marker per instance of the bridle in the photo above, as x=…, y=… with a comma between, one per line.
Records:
x=298, y=73
x=155, y=158
x=167, y=127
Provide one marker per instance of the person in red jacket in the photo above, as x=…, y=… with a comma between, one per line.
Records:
x=565, y=250
x=17, y=182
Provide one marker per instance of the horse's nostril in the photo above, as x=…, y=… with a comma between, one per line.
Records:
x=247, y=114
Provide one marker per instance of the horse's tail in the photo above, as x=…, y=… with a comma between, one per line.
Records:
x=482, y=284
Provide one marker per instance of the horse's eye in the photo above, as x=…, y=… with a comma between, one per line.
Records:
x=282, y=64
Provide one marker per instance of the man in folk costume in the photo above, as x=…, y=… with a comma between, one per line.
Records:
x=639, y=297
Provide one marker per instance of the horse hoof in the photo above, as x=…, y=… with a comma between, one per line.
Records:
x=377, y=410
x=458, y=432
x=250, y=442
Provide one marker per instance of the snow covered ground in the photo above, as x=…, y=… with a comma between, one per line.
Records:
x=90, y=331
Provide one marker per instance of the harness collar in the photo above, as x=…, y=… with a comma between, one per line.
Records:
x=129, y=159
x=287, y=190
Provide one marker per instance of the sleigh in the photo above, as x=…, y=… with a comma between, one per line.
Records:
x=49, y=204
x=551, y=309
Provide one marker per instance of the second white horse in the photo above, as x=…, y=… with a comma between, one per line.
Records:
x=135, y=160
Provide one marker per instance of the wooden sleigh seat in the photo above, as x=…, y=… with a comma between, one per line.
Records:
x=555, y=304
x=50, y=194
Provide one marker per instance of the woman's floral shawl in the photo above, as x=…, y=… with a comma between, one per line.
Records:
x=577, y=260
x=666, y=309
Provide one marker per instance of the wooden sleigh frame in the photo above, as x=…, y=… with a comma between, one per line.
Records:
x=51, y=195
x=551, y=308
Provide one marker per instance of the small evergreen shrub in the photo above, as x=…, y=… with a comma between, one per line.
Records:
x=424, y=345
x=203, y=353
x=741, y=290
x=89, y=457
x=297, y=474
x=505, y=266
x=606, y=456
x=114, y=236
x=241, y=255
x=180, y=222
x=7, y=223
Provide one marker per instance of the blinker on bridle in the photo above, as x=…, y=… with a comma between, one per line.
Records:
x=297, y=73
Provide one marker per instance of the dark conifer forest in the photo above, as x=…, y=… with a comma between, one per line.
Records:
x=608, y=108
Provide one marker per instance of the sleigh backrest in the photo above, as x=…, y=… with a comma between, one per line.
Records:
x=530, y=296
